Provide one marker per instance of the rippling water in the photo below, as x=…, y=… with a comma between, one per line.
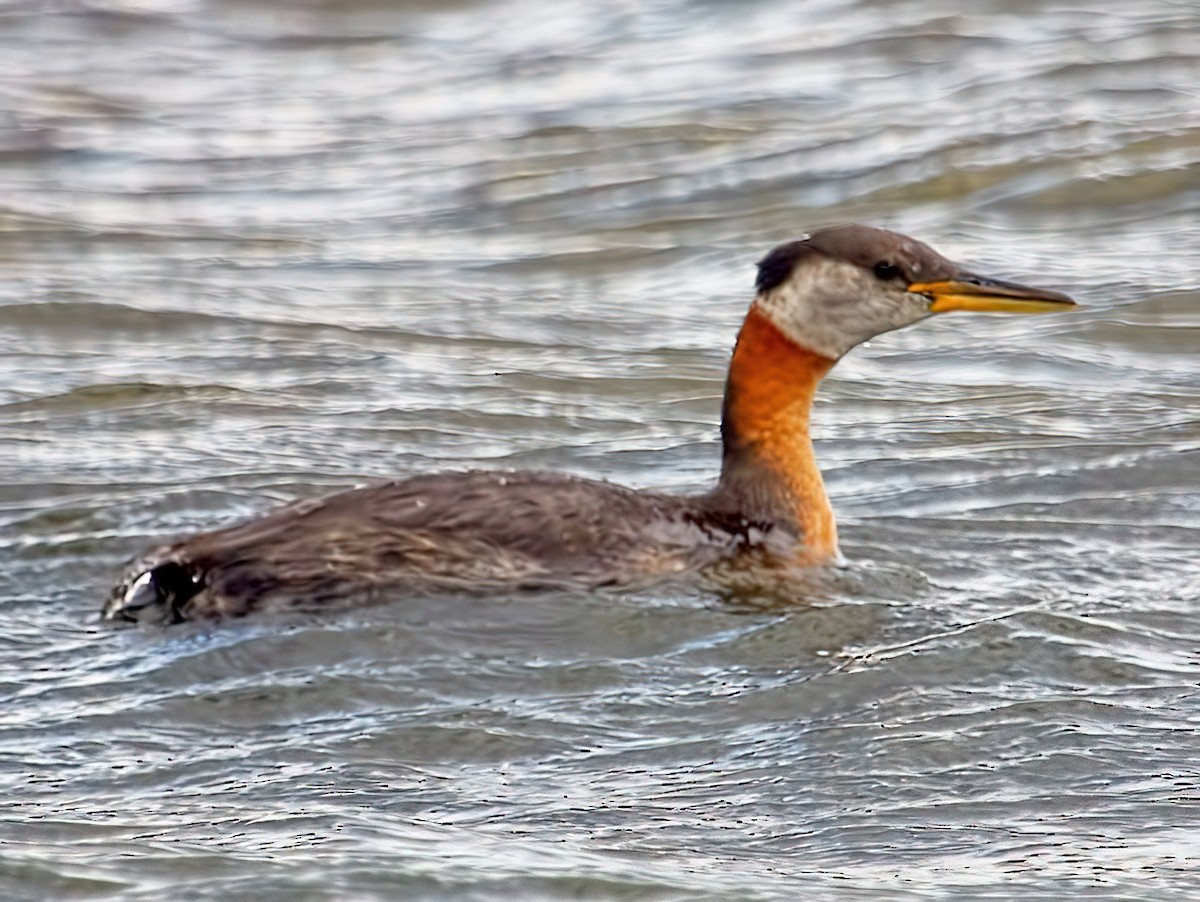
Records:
x=252, y=254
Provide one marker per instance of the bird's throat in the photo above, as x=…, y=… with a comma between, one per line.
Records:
x=769, y=468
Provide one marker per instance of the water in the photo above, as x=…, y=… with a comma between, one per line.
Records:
x=255, y=253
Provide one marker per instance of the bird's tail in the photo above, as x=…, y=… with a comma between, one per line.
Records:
x=155, y=592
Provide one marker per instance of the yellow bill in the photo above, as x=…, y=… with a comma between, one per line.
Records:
x=990, y=296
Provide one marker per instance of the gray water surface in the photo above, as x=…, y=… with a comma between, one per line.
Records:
x=255, y=253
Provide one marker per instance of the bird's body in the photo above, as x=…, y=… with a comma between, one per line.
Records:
x=817, y=298
x=462, y=531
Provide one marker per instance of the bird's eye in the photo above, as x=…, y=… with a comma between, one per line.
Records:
x=885, y=270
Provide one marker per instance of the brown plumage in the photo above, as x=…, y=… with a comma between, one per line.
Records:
x=471, y=530
x=816, y=299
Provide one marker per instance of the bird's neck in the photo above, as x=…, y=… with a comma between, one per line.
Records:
x=769, y=470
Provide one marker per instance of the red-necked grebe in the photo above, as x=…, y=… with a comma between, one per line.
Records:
x=816, y=299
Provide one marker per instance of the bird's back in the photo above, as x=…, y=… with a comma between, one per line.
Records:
x=444, y=531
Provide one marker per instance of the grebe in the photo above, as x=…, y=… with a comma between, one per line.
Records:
x=816, y=299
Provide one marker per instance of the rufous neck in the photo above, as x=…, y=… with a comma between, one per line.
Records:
x=769, y=469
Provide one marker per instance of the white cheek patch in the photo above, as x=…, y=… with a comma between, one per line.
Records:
x=830, y=306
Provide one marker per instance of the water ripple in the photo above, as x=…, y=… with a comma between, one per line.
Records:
x=260, y=252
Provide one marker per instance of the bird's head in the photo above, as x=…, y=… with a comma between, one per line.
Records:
x=843, y=285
